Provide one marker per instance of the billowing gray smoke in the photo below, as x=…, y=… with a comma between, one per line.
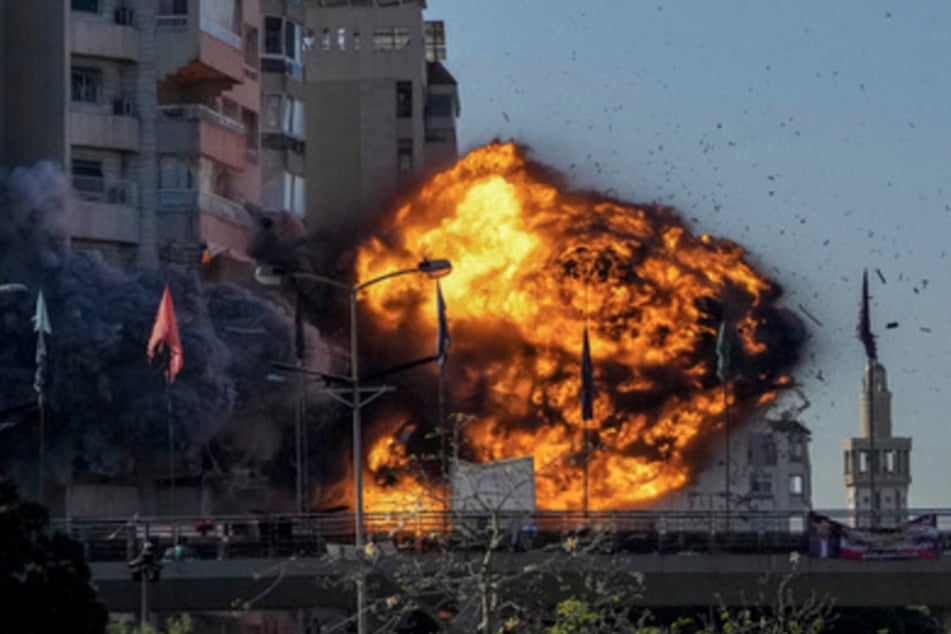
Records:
x=106, y=408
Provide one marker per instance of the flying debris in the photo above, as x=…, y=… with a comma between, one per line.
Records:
x=891, y=324
x=812, y=317
x=880, y=275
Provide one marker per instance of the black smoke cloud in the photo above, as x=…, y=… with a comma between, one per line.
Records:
x=106, y=409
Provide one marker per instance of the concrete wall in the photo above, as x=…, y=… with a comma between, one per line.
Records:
x=352, y=126
x=36, y=60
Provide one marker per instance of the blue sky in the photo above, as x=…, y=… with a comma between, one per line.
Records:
x=815, y=134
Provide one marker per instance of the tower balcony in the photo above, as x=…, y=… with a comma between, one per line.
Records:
x=198, y=50
x=107, y=210
x=194, y=129
x=117, y=130
x=110, y=35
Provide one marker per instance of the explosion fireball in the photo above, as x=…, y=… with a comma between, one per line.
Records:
x=534, y=266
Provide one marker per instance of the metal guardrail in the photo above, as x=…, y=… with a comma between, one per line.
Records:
x=105, y=190
x=203, y=112
x=250, y=536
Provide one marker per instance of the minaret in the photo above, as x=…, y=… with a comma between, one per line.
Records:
x=877, y=465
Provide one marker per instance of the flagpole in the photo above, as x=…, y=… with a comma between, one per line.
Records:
x=726, y=426
x=171, y=446
x=42, y=478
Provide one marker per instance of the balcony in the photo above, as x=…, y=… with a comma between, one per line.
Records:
x=104, y=130
x=193, y=129
x=198, y=51
x=110, y=35
x=226, y=209
x=107, y=210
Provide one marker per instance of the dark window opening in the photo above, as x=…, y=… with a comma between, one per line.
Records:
x=86, y=84
x=272, y=36
x=173, y=7
x=404, y=156
x=404, y=99
x=92, y=6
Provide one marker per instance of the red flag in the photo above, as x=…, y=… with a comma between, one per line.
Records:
x=587, y=380
x=165, y=333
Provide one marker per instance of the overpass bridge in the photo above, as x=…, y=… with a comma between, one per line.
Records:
x=285, y=562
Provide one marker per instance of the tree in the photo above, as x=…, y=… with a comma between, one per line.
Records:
x=45, y=583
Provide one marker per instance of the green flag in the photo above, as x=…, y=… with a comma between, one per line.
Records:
x=42, y=327
x=723, y=353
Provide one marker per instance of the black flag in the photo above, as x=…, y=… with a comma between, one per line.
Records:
x=864, y=329
x=587, y=380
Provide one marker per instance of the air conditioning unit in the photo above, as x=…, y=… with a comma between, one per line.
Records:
x=122, y=107
x=123, y=16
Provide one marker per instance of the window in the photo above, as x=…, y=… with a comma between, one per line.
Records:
x=325, y=40
x=88, y=178
x=286, y=192
x=435, y=35
x=404, y=156
x=796, y=482
x=797, y=449
x=440, y=106
x=404, y=99
x=273, y=28
x=92, y=6
x=390, y=39
x=341, y=38
x=250, y=46
x=890, y=464
x=86, y=84
x=173, y=7
x=282, y=38
x=356, y=40
x=174, y=174
x=847, y=459
x=863, y=462
x=292, y=41
x=761, y=484
x=292, y=117
x=762, y=450
x=271, y=113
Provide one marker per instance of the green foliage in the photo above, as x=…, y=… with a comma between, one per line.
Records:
x=44, y=579
x=181, y=624
x=574, y=617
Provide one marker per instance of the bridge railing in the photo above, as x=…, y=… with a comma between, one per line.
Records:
x=279, y=535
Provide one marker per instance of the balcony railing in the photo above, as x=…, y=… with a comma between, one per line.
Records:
x=184, y=199
x=200, y=111
x=172, y=21
x=103, y=190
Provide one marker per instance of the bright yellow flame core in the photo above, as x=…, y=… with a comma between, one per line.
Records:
x=535, y=266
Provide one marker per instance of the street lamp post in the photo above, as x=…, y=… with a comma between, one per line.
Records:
x=273, y=277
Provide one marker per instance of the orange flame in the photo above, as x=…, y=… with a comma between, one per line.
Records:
x=532, y=267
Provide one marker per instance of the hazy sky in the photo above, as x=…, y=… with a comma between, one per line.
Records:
x=815, y=134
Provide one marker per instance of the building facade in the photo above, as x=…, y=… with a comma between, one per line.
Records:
x=381, y=107
x=152, y=108
x=760, y=465
x=877, y=465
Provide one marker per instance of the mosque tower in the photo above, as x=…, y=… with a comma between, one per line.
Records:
x=877, y=465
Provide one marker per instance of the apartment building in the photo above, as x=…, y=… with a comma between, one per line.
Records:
x=381, y=107
x=152, y=107
x=283, y=135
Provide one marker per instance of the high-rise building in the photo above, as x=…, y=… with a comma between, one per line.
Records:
x=151, y=107
x=877, y=465
x=381, y=107
x=283, y=138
